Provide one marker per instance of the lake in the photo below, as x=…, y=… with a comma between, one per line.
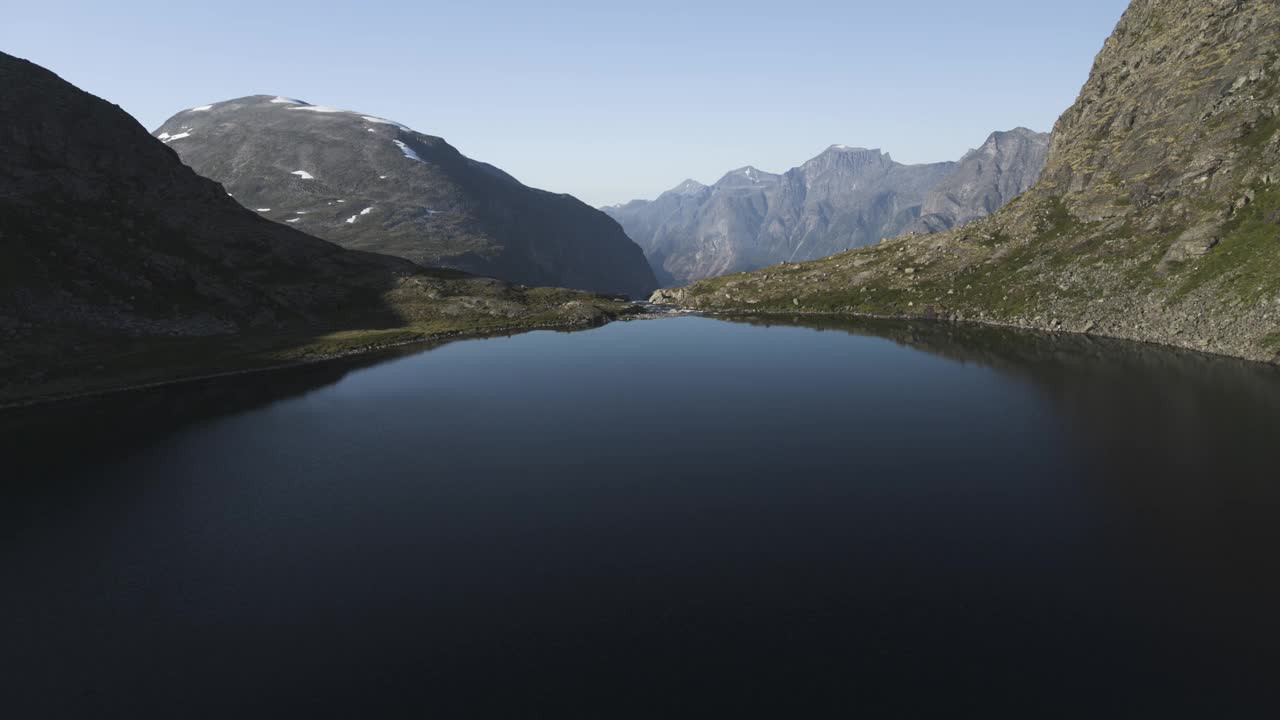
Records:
x=674, y=517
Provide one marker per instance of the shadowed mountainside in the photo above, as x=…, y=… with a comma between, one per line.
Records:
x=120, y=265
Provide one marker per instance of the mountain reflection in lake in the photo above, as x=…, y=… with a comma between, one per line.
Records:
x=684, y=516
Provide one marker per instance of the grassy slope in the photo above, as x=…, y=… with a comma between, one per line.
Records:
x=1097, y=257
x=1071, y=275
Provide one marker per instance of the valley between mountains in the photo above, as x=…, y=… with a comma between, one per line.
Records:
x=264, y=230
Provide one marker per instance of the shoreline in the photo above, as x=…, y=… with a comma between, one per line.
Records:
x=1274, y=362
x=653, y=311
x=372, y=349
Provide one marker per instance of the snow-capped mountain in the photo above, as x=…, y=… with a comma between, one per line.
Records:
x=366, y=182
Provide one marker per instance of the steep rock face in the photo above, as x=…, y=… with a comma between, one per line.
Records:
x=1157, y=216
x=846, y=197
x=660, y=224
x=984, y=180
x=110, y=246
x=368, y=183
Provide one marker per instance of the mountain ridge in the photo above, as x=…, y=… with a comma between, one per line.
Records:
x=843, y=197
x=426, y=201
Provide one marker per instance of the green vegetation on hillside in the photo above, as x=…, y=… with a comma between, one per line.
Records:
x=1157, y=217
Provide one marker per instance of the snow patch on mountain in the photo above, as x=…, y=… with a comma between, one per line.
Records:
x=352, y=220
x=328, y=109
x=408, y=151
x=303, y=174
x=384, y=121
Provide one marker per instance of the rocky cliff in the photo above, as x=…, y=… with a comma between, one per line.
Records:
x=984, y=180
x=1157, y=216
x=369, y=183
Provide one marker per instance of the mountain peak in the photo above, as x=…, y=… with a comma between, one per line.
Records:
x=283, y=103
x=747, y=175
x=1018, y=132
x=849, y=149
x=688, y=187
x=843, y=156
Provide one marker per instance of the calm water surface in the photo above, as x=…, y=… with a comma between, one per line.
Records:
x=682, y=517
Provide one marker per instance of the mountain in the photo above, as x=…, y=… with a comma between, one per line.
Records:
x=121, y=265
x=368, y=183
x=1156, y=218
x=843, y=198
x=1006, y=166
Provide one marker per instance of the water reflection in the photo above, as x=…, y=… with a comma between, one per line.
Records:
x=653, y=518
x=1145, y=409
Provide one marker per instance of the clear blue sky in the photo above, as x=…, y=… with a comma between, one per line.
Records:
x=607, y=101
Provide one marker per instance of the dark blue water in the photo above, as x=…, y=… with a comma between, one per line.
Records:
x=681, y=517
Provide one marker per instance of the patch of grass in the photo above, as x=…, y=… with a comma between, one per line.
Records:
x=1246, y=263
x=1261, y=133
x=1058, y=220
x=348, y=341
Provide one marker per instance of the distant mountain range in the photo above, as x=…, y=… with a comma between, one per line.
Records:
x=369, y=183
x=845, y=197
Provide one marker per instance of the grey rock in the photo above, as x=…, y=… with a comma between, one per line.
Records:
x=667, y=296
x=1196, y=242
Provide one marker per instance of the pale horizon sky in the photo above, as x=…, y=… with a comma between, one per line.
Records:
x=606, y=101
